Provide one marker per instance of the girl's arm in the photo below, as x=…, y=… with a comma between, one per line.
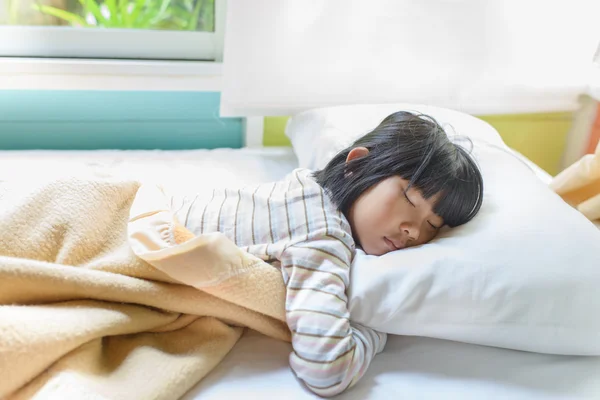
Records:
x=330, y=353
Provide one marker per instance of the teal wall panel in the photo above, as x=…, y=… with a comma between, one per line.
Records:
x=85, y=120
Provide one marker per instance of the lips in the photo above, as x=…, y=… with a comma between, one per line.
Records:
x=391, y=245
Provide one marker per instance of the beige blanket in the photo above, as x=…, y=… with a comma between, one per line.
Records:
x=579, y=185
x=81, y=317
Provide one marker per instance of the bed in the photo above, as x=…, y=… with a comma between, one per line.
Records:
x=257, y=367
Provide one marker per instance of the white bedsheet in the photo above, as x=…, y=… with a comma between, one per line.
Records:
x=218, y=168
x=409, y=368
x=257, y=367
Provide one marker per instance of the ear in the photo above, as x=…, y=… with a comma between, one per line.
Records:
x=356, y=153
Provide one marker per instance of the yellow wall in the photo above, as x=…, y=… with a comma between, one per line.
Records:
x=274, y=132
x=540, y=137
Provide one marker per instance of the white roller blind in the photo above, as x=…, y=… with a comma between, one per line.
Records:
x=481, y=57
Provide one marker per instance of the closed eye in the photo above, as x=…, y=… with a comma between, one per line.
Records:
x=407, y=199
x=433, y=226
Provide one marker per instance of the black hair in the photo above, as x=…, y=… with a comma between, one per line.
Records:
x=416, y=148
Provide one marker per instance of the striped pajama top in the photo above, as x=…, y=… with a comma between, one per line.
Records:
x=295, y=226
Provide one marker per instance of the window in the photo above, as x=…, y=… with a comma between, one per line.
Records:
x=112, y=29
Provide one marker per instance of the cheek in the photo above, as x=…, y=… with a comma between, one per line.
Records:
x=427, y=235
x=386, y=211
x=378, y=211
x=371, y=218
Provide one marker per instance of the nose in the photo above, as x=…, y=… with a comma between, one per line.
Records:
x=411, y=231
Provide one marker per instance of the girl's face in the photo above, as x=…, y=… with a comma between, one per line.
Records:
x=387, y=217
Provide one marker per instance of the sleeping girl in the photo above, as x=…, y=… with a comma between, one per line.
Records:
x=392, y=189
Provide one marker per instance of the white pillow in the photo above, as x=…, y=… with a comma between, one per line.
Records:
x=524, y=274
x=318, y=135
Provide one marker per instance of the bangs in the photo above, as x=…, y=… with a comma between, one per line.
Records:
x=458, y=187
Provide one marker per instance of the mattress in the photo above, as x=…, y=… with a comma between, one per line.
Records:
x=257, y=367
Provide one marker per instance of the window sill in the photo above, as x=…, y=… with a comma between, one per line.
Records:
x=89, y=74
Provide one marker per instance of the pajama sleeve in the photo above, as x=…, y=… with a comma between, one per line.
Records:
x=330, y=354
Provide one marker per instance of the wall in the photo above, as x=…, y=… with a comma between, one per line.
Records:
x=184, y=120
x=540, y=137
x=84, y=120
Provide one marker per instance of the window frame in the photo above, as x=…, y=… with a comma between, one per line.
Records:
x=98, y=43
x=47, y=71
x=102, y=43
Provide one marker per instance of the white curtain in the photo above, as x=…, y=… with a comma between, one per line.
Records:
x=477, y=56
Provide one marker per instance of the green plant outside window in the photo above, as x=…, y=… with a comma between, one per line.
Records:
x=179, y=15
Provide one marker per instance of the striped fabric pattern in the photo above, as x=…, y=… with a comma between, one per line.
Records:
x=295, y=226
